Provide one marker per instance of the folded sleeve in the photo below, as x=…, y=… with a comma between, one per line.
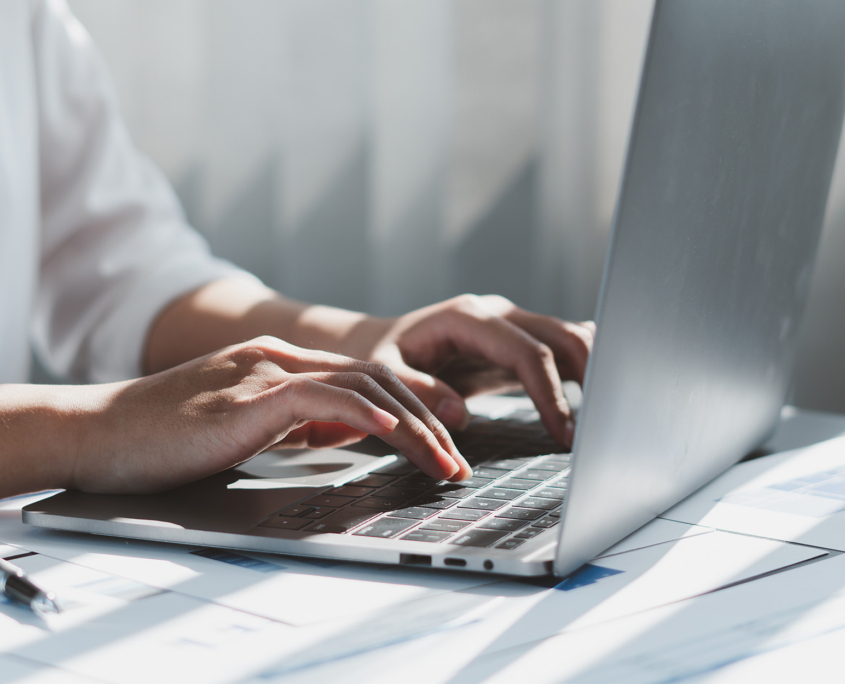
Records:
x=115, y=248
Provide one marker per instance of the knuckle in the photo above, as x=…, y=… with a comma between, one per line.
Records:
x=254, y=350
x=382, y=372
x=497, y=303
x=440, y=432
x=544, y=353
x=246, y=354
x=467, y=303
x=297, y=385
x=361, y=381
x=350, y=400
x=581, y=333
x=265, y=344
x=419, y=430
x=266, y=341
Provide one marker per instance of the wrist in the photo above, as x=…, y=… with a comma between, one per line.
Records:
x=44, y=432
x=361, y=340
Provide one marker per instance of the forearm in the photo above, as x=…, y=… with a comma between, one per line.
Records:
x=231, y=311
x=42, y=428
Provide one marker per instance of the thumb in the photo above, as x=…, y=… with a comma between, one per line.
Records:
x=445, y=403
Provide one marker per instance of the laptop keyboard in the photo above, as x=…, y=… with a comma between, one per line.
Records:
x=514, y=495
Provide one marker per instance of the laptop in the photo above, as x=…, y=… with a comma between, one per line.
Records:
x=729, y=164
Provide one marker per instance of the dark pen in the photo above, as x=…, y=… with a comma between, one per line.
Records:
x=17, y=587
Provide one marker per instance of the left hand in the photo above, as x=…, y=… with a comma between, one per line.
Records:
x=473, y=344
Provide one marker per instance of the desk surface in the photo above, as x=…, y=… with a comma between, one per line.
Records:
x=651, y=610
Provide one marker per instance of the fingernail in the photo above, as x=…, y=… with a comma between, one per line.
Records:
x=452, y=413
x=384, y=418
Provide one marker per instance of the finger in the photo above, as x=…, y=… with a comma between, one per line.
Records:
x=590, y=325
x=392, y=384
x=412, y=435
x=513, y=348
x=327, y=362
x=297, y=360
x=320, y=435
x=444, y=402
x=570, y=342
x=300, y=400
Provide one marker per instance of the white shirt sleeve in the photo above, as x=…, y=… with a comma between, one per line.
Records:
x=116, y=248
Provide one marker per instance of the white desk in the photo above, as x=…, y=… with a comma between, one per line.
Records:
x=141, y=612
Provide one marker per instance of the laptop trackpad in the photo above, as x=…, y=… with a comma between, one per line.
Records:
x=285, y=468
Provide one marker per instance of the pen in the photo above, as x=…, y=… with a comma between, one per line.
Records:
x=17, y=587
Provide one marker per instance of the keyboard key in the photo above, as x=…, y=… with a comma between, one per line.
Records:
x=318, y=512
x=351, y=490
x=441, y=525
x=281, y=522
x=528, y=533
x=415, y=512
x=516, y=483
x=342, y=521
x=430, y=536
x=324, y=500
x=453, y=492
x=506, y=464
x=417, y=481
x=520, y=514
x=482, y=504
x=501, y=494
x=510, y=544
x=562, y=485
x=402, y=493
x=549, y=493
x=385, y=528
x=479, y=538
x=492, y=473
x=400, y=467
x=464, y=514
x=374, y=480
x=550, y=465
x=295, y=510
x=546, y=523
x=554, y=514
x=535, y=475
x=436, y=502
x=541, y=504
x=503, y=524
x=476, y=482
x=377, y=504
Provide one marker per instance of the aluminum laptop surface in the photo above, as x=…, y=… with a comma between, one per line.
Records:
x=729, y=165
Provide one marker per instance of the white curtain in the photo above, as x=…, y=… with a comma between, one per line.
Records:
x=384, y=154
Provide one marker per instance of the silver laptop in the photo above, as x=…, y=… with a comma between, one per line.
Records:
x=718, y=220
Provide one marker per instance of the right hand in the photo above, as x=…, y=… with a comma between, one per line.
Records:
x=191, y=421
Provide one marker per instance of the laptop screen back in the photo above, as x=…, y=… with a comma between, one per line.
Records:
x=729, y=165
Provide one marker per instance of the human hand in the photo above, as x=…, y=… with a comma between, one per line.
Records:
x=473, y=344
x=212, y=413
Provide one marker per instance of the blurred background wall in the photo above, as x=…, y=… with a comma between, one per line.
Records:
x=385, y=154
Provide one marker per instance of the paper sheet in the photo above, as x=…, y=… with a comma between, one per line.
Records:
x=795, y=496
x=640, y=580
x=744, y=630
x=165, y=637
x=116, y=630
x=518, y=614
x=656, y=532
x=294, y=591
x=20, y=671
